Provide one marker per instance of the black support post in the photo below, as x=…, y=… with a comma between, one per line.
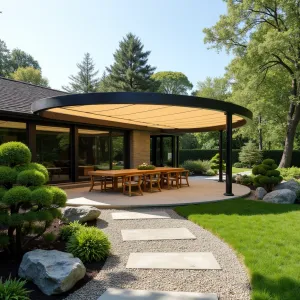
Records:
x=31, y=139
x=228, y=154
x=74, y=144
x=221, y=156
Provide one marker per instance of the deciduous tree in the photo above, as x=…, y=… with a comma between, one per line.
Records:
x=21, y=59
x=265, y=34
x=30, y=75
x=172, y=83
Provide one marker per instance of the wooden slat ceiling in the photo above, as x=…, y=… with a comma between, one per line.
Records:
x=154, y=116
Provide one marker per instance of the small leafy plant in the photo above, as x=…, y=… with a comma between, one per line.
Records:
x=13, y=289
x=89, y=244
x=68, y=230
x=145, y=166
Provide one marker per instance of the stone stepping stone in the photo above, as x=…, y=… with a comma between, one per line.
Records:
x=157, y=234
x=126, y=294
x=130, y=215
x=183, y=260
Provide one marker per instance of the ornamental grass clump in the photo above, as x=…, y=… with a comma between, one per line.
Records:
x=27, y=206
x=13, y=289
x=68, y=230
x=89, y=244
x=266, y=174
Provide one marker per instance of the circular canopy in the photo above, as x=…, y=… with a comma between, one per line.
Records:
x=145, y=111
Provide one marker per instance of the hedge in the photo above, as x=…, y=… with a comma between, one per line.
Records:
x=194, y=154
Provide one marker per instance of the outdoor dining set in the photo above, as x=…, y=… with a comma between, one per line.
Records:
x=135, y=181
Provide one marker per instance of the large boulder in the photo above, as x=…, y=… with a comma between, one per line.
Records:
x=81, y=213
x=260, y=192
x=53, y=271
x=292, y=185
x=283, y=196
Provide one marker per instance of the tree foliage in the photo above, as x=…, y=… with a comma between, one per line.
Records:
x=21, y=59
x=86, y=80
x=250, y=155
x=130, y=71
x=172, y=83
x=30, y=75
x=264, y=35
x=4, y=59
x=27, y=206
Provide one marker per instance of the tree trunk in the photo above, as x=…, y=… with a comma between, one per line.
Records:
x=293, y=121
x=260, y=144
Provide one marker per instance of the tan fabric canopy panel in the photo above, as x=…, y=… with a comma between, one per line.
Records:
x=185, y=115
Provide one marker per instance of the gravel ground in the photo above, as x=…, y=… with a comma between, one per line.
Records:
x=229, y=283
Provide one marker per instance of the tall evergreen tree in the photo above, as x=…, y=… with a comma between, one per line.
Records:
x=85, y=81
x=130, y=72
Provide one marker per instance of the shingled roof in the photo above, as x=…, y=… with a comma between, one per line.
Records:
x=17, y=96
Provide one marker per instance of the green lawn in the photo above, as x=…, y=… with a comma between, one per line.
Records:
x=239, y=170
x=267, y=237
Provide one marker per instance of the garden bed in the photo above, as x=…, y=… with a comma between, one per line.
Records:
x=9, y=267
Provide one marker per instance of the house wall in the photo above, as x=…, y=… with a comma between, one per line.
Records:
x=139, y=148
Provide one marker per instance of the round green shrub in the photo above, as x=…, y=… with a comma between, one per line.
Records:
x=42, y=196
x=33, y=166
x=273, y=173
x=13, y=289
x=31, y=178
x=265, y=180
x=259, y=170
x=89, y=244
x=68, y=230
x=210, y=172
x=59, y=196
x=16, y=195
x=7, y=175
x=268, y=161
x=14, y=153
x=2, y=192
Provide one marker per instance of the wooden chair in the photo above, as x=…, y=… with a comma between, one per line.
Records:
x=152, y=179
x=130, y=182
x=169, y=178
x=104, y=181
x=184, y=175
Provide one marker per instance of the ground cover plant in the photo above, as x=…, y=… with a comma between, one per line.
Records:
x=265, y=235
x=290, y=173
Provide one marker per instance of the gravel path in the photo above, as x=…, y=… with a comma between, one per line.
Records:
x=229, y=283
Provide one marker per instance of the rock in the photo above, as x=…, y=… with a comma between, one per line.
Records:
x=290, y=185
x=260, y=192
x=53, y=271
x=283, y=196
x=81, y=213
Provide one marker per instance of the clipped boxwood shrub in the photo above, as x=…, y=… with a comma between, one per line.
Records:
x=68, y=230
x=8, y=176
x=34, y=166
x=266, y=174
x=59, y=196
x=89, y=244
x=31, y=178
x=14, y=153
x=13, y=289
x=42, y=196
x=17, y=194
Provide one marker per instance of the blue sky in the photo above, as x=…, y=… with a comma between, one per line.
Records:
x=58, y=32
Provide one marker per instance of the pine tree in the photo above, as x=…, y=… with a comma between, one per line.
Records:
x=130, y=72
x=85, y=81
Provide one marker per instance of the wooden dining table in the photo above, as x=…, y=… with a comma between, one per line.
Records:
x=116, y=174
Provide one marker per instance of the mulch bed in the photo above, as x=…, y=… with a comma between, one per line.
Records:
x=9, y=267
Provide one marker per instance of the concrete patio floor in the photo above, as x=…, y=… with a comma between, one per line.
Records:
x=200, y=191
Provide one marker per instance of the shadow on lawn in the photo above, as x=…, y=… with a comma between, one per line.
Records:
x=236, y=207
x=283, y=288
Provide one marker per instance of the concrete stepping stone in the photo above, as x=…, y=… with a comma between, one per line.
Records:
x=126, y=294
x=157, y=234
x=183, y=260
x=130, y=215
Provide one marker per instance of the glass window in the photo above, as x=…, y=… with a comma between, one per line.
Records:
x=12, y=131
x=93, y=151
x=167, y=151
x=117, y=150
x=52, y=149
